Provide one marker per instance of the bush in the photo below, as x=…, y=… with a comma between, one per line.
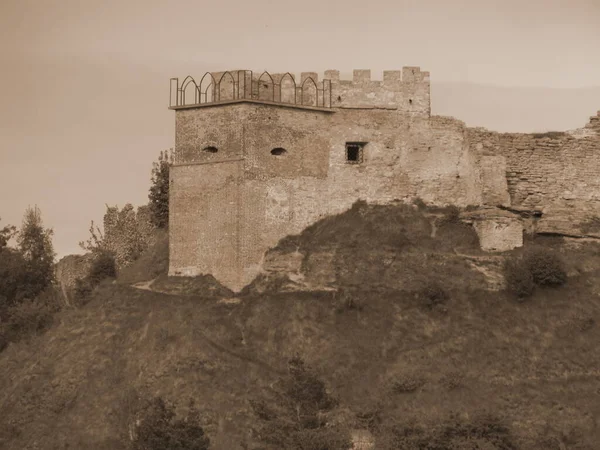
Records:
x=519, y=280
x=539, y=267
x=157, y=429
x=433, y=294
x=546, y=267
x=297, y=414
x=407, y=384
x=103, y=267
x=483, y=431
x=29, y=317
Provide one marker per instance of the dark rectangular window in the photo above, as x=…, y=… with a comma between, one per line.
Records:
x=354, y=152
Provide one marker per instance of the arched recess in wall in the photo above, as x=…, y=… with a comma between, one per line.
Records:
x=287, y=89
x=207, y=88
x=266, y=87
x=210, y=149
x=190, y=92
x=278, y=151
x=309, y=92
x=226, y=87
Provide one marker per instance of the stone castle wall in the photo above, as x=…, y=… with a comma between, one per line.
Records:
x=556, y=174
x=232, y=199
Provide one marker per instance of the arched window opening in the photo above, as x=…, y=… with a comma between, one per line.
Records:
x=211, y=149
x=278, y=151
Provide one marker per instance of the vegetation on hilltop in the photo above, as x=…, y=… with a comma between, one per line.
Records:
x=27, y=296
x=159, y=190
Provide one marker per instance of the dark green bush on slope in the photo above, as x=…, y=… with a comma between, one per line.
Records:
x=297, y=414
x=537, y=267
x=103, y=267
x=158, y=429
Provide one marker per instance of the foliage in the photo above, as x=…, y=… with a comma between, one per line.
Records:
x=29, y=317
x=27, y=270
x=103, y=267
x=126, y=234
x=159, y=190
x=433, y=294
x=6, y=234
x=546, y=267
x=484, y=431
x=519, y=281
x=297, y=416
x=158, y=429
x=13, y=273
x=407, y=383
x=35, y=244
x=538, y=266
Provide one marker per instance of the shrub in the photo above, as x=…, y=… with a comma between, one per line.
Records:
x=29, y=317
x=452, y=215
x=483, y=431
x=539, y=267
x=159, y=190
x=519, y=280
x=103, y=267
x=407, y=384
x=158, y=429
x=433, y=294
x=297, y=413
x=546, y=267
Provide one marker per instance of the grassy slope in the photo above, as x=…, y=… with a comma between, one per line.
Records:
x=536, y=363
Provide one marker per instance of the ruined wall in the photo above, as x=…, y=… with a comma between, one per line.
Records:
x=554, y=173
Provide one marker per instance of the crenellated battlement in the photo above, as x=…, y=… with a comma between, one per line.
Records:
x=406, y=90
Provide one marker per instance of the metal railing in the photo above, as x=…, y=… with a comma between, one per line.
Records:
x=221, y=87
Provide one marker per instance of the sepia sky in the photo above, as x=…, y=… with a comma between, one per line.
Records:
x=84, y=84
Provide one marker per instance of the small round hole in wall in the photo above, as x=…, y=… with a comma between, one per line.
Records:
x=278, y=151
x=410, y=101
x=210, y=149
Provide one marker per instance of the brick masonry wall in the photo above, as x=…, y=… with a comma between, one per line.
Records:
x=225, y=215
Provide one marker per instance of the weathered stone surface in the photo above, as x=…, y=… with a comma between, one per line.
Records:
x=362, y=440
x=498, y=230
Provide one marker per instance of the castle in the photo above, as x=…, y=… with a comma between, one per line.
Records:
x=262, y=156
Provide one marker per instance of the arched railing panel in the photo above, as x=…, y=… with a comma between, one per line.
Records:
x=190, y=93
x=207, y=88
x=226, y=87
x=242, y=84
x=309, y=92
x=287, y=89
x=266, y=87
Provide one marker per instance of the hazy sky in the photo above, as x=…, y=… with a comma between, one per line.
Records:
x=84, y=85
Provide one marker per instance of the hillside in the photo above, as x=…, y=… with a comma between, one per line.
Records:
x=367, y=326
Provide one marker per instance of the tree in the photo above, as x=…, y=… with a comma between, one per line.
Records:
x=6, y=234
x=159, y=190
x=298, y=413
x=35, y=245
